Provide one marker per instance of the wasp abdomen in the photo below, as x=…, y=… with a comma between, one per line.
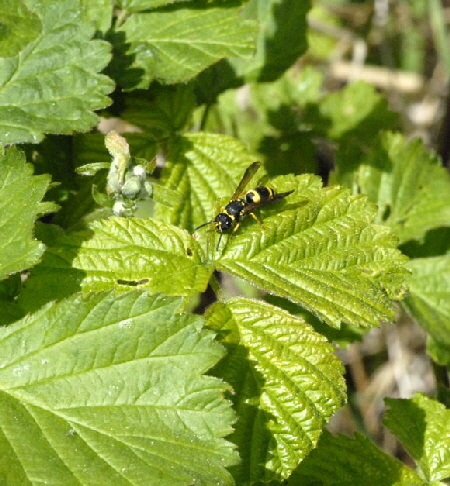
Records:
x=259, y=195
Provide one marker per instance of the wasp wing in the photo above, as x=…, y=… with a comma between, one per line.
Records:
x=248, y=174
x=250, y=207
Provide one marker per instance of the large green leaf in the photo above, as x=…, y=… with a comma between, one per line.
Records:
x=345, y=461
x=423, y=426
x=20, y=194
x=409, y=185
x=174, y=44
x=429, y=298
x=281, y=40
x=108, y=389
x=320, y=249
x=18, y=27
x=53, y=84
x=287, y=380
x=118, y=253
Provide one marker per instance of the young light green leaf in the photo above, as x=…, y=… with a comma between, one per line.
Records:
x=429, y=298
x=108, y=389
x=281, y=40
x=409, y=185
x=344, y=461
x=320, y=249
x=423, y=426
x=173, y=45
x=118, y=253
x=202, y=168
x=287, y=380
x=20, y=194
x=19, y=26
x=52, y=85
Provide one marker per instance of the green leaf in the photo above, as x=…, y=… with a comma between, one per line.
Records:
x=100, y=12
x=118, y=253
x=162, y=111
x=353, y=117
x=18, y=27
x=108, y=389
x=202, y=168
x=436, y=242
x=357, y=110
x=423, y=427
x=268, y=124
x=20, y=194
x=53, y=85
x=281, y=40
x=320, y=249
x=341, y=337
x=173, y=45
x=439, y=352
x=429, y=298
x=344, y=461
x=139, y=5
x=9, y=289
x=287, y=380
x=409, y=185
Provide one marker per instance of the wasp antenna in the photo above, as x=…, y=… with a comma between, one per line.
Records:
x=201, y=226
x=218, y=243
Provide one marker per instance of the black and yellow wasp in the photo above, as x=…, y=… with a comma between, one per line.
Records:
x=232, y=214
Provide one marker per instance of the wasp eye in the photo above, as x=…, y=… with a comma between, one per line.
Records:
x=223, y=222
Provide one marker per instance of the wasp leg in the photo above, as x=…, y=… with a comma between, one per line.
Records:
x=253, y=215
x=235, y=228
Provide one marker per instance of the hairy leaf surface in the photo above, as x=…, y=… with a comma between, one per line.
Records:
x=287, y=380
x=119, y=253
x=109, y=389
x=100, y=12
x=408, y=184
x=53, y=84
x=173, y=45
x=18, y=25
x=20, y=194
x=319, y=248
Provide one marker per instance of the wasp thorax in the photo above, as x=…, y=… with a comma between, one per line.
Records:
x=235, y=208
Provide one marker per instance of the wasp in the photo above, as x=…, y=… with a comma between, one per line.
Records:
x=241, y=204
